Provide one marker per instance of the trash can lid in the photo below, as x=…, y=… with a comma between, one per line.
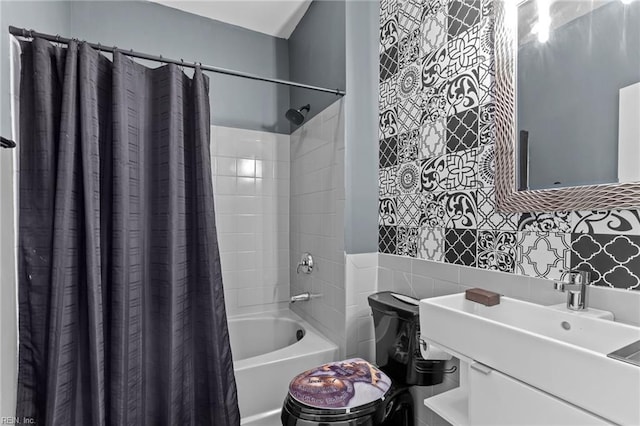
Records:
x=402, y=305
x=340, y=385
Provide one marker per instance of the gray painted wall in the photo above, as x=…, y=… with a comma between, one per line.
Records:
x=161, y=30
x=568, y=95
x=317, y=55
x=336, y=45
x=361, y=126
x=235, y=102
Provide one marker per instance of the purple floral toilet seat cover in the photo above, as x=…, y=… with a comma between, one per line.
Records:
x=340, y=385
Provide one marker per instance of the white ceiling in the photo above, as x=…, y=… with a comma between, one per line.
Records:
x=276, y=18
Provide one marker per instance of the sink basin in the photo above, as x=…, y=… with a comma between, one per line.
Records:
x=558, y=352
x=589, y=312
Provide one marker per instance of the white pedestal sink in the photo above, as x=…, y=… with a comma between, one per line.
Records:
x=556, y=352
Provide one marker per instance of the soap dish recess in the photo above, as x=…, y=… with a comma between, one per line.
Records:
x=630, y=354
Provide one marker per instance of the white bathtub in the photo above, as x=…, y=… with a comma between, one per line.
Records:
x=267, y=355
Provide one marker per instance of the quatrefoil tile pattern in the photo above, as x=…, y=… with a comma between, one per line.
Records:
x=434, y=27
x=463, y=14
x=437, y=158
x=461, y=246
x=431, y=244
x=543, y=254
x=614, y=260
x=433, y=138
x=462, y=130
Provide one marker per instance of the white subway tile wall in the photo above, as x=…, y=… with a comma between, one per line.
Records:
x=251, y=187
x=361, y=281
x=317, y=220
x=421, y=278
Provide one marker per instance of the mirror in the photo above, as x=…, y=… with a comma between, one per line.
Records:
x=568, y=104
x=578, y=93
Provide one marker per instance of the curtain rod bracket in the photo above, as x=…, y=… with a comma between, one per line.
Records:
x=7, y=143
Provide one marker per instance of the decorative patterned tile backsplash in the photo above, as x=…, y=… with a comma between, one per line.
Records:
x=436, y=179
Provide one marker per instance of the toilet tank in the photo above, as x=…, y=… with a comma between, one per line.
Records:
x=397, y=330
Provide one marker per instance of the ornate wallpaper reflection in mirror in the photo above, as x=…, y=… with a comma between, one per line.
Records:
x=568, y=104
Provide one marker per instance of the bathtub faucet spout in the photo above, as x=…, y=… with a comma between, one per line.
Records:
x=302, y=297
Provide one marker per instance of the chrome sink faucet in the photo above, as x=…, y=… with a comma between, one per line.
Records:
x=576, y=287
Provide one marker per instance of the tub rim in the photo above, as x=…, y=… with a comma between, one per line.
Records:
x=312, y=342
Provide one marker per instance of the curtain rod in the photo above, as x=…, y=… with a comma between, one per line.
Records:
x=23, y=32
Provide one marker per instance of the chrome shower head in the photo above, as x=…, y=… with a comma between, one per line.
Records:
x=296, y=116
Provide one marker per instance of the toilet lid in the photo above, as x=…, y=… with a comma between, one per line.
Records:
x=340, y=385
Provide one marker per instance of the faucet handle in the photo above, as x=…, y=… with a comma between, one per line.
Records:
x=581, y=277
x=575, y=276
x=306, y=264
x=567, y=278
x=575, y=285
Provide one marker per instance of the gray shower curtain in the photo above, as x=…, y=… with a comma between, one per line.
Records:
x=121, y=308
